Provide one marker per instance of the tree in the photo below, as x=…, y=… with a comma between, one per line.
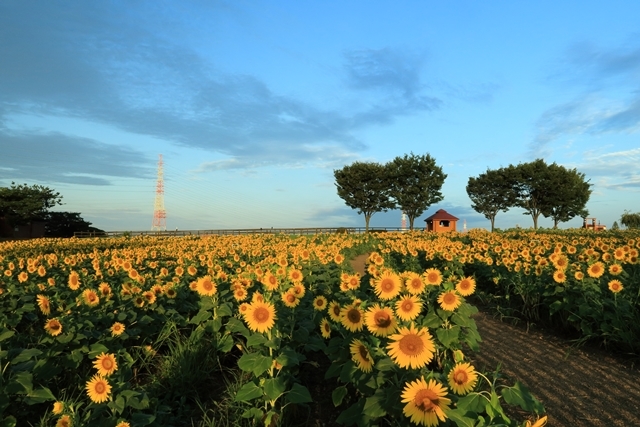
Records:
x=364, y=186
x=567, y=195
x=22, y=204
x=492, y=192
x=615, y=226
x=415, y=184
x=630, y=220
x=65, y=224
x=531, y=185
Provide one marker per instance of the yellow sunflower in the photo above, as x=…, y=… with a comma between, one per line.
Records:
x=117, y=329
x=295, y=275
x=596, y=270
x=260, y=316
x=74, y=281
x=411, y=347
x=414, y=283
x=290, y=299
x=44, y=304
x=615, y=286
x=433, y=277
x=123, y=424
x=579, y=275
x=105, y=364
x=425, y=402
x=320, y=303
x=150, y=296
x=98, y=389
x=334, y=311
x=90, y=297
x=462, y=378
x=58, y=408
x=352, y=318
x=380, y=320
x=53, y=327
x=615, y=269
x=408, y=307
x=325, y=328
x=466, y=286
x=540, y=422
x=64, y=421
x=449, y=300
x=361, y=356
x=559, y=276
x=270, y=281
x=205, y=286
x=387, y=286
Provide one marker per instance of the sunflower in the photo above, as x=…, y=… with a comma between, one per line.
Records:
x=117, y=329
x=352, y=281
x=449, y=300
x=192, y=270
x=361, y=356
x=466, y=286
x=240, y=294
x=352, y=318
x=540, y=422
x=579, y=275
x=298, y=290
x=74, y=281
x=98, y=389
x=123, y=424
x=325, y=328
x=23, y=277
x=150, y=296
x=320, y=303
x=205, y=286
x=53, y=327
x=90, y=297
x=559, y=276
x=270, y=281
x=104, y=289
x=433, y=277
x=615, y=286
x=596, y=270
x=462, y=378
x=388, y=285
x=380, y=320
x=64, y=421
x=44, y=304
x=42, y=271
x=295, y=275
x=170, y=291
x=290, y=299
x=105, y=364
x=425, y=402
x=408, y=307
x=615, y=269
x=411, y=347
x=139, y=301
x=334, y=311
x=414, y=283
x=243, y=308
x=260, y=316
x=58, y=408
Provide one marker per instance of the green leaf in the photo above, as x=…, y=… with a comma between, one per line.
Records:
x=255, y=362
x=520, y=395
x=473, y=402
x=201, y=317
x=25, y=379
x=248, y=392
x=235, y=325
x=385, y=364
x=299, y=394
x=256, y=340
x=140, y=419
x=448, y=336
x=432, y=321
x=346, y=373
x=97, y=349
x=338, y=395
x=254, y=413
x=224, y=310
x=373, y=405
x=64, y=338
x=351, y=415
x=289, y=357
x=458, y=417
x=26, y=355
x=40, y=395
x=225, y=344
x=9, y=421
x=6, y=335
x=274, y=387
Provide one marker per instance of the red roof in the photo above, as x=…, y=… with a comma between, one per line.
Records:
x=442, y=214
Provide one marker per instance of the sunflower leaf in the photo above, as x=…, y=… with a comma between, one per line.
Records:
x=299, y=394
x=338, y=395
x=274, y=387
x=248, y=392
x=254, y=362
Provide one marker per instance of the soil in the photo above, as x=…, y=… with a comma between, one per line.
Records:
x=579, y=387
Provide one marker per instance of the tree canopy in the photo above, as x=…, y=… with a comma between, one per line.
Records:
x=364, y=186
x=22, y=204
x=415, y=184
x=567, y=195
x=630, y=220
x=491, y=192
x=65, y=224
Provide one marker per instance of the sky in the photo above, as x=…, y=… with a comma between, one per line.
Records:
x=254, y=104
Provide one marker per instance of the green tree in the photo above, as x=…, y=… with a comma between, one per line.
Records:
x=615, y=226
x=630, y=220
x=364, y=186
x=415, y=184
x=566, y=196
x=531, y=185
x=492, y=192
x=22, y=204
x=65, y=224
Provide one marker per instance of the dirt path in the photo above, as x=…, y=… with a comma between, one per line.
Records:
x=578, y=387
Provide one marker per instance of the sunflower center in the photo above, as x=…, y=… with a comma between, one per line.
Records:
x=407, y=305
x=426, y=400
x=363, y=353
x=99, y=387
x=207, y=285
x=460, y=377
x=261, y=314
x=336, y=310
x=449, y=298
x=411, y=345
x=382, y=319
x=464, y=285
x=107, y=364
x=415, y=283
x=432, y=277
x=291, y=298
x=354, y=315
x=272, y=280
x=387, y=285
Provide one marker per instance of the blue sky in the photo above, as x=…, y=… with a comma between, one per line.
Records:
x=253, y=104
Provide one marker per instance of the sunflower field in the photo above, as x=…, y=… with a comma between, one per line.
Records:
x=257, y=329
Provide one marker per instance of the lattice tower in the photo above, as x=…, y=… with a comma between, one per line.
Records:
x=403, y=222
x=159, y=214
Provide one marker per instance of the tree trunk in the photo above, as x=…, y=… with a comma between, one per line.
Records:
x=493, y=222
x=367, y=217
x=535, y=220
x=411, y=219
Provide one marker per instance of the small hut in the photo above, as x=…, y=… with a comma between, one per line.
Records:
x=441, y=221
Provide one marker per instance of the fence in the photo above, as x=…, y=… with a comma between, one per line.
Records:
x=294, y=231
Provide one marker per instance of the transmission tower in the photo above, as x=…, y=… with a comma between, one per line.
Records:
x=403, y=221
x=159, y=214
